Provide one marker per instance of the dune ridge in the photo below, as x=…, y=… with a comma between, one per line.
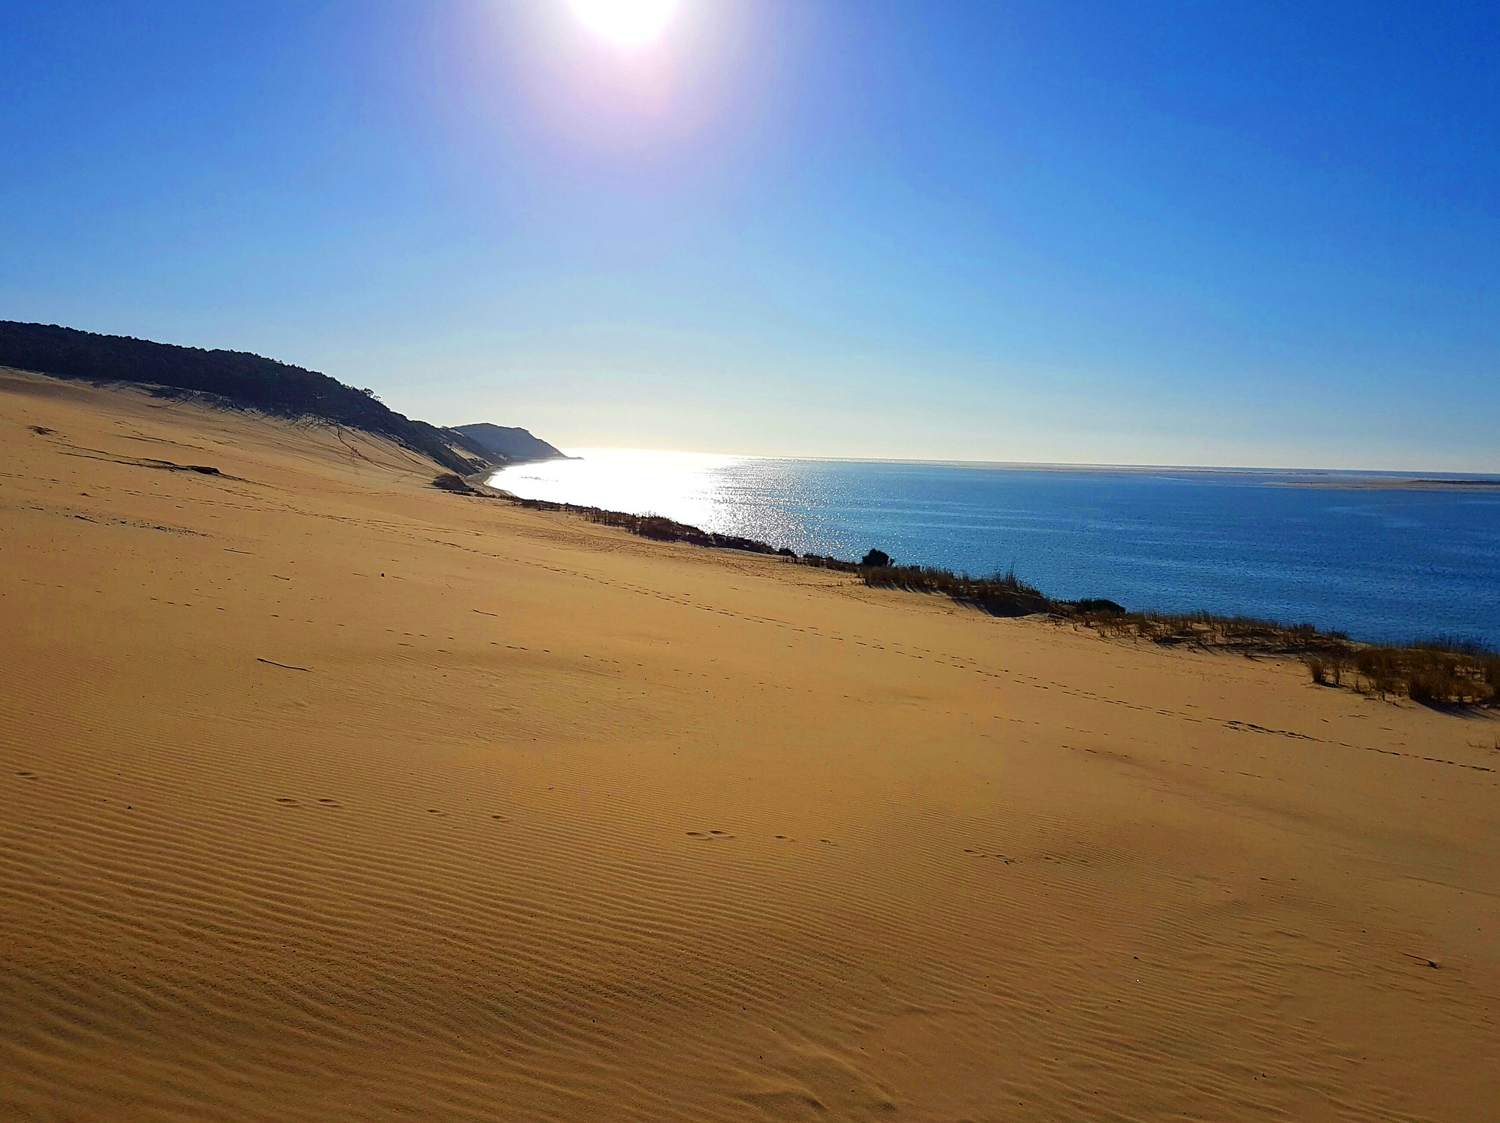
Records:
x=331, y=796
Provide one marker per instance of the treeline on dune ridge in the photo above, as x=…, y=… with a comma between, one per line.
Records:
x=235, y=377
x=1441, y=671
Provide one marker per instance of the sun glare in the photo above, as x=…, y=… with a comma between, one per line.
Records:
x=626, y=23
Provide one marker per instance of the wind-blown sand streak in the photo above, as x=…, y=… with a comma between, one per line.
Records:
x=550, y=822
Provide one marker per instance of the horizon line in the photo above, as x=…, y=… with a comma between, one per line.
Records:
x=577, y=452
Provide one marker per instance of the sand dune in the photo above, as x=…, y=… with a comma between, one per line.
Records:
x=330, y=796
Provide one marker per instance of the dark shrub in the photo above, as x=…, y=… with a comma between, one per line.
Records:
x=1423, y=687
x=1099, y=606
x=876, y=559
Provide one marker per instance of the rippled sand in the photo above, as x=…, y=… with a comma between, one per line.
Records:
x=330, y=796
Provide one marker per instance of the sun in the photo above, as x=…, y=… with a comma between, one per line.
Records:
x=626, y=23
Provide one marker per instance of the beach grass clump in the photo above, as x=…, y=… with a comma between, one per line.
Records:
x=823, y=561
x=1430, y=672
x=1326, y=669
x=1236, y=633
x=1000, y=594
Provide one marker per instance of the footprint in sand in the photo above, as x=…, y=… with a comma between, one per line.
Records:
x=435, y=811
x=330, y=803
x=982, y=854
x=28, y=775
x=710, y=836
x=286, y=801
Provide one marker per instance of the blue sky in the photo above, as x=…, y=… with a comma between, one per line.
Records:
x=1207, y=233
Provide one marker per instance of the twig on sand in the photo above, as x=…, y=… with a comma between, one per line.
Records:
x=283, y=666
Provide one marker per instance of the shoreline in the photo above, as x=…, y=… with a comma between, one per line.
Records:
x=1386, y=668
x=1157, y=555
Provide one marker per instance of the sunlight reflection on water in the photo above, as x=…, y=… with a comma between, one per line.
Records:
x=685, y=486
x=1380, y=563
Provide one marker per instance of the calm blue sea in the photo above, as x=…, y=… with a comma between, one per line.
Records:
x=1382, y=564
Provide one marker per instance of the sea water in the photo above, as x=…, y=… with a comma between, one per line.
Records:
x=1343, y=551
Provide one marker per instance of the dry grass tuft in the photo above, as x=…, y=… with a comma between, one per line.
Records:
x=1002, y=594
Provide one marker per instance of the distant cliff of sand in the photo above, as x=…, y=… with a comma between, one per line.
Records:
x=507, y=443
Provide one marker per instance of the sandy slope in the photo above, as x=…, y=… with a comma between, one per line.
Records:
x=554, y=823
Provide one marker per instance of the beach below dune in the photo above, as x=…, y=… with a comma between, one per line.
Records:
x=333, y=796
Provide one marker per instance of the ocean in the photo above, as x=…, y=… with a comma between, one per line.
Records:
x=1344, y=551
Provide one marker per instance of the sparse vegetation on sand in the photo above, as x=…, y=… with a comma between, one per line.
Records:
x=1432, y=672
x=1002, y=594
